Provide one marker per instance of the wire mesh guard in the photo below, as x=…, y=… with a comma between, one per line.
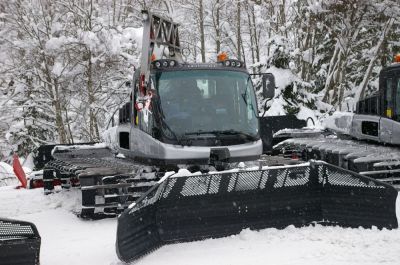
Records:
x=19, y=242
x=215, y=205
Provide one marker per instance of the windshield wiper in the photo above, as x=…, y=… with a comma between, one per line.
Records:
x=218, y=133
x=179, y=138
x=244, y=96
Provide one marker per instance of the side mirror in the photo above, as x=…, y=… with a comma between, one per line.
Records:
x=268, y=85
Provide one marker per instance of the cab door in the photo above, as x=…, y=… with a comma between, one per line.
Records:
x=390, y=121
x=396, y=115
x=387, y=109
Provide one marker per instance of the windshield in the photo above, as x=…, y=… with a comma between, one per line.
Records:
x=207, y=102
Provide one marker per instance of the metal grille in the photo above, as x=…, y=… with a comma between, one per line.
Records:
x=321, y=173
x=264, y=178
x=232, y=182
x=345, y=178
x=248, y=180
x=281, y=178
x=195, y=186
x=201, y=185
x=297, y=177
x=168, y=188
x=9, y=230
x=19, y=243
x=214, y=184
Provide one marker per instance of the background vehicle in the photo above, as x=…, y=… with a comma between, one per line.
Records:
x=369, y=139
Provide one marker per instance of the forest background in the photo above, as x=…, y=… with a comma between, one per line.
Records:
x=64, y=63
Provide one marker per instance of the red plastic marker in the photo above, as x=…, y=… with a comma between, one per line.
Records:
x=19, y=172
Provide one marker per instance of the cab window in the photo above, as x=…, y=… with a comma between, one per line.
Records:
x=389, y=98
x=397, y=112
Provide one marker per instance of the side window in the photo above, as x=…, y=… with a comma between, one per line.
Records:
x=370, y=128
x=362, y=106
x=374, y=107
x=135, y=112
x=389, y=98
x=251, y=104
x=397, y=114
x=146, y=117
x=368, y=106
x=143, y=115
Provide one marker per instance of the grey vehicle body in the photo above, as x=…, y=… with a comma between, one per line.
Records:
x=377, y=117
x=213, y=114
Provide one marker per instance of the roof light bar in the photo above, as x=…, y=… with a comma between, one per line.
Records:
x=164, y=63
x=396, y=58
x=233, y=63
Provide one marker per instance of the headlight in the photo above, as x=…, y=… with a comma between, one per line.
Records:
x=145, y=16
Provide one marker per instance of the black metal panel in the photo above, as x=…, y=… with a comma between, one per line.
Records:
x=19, y=243
x=138, y=235
x=272, y=124
x=353, y=200
x=43, y=153
x=222, y=204
x=125, y=113
x=370, y=128
x=227, y=203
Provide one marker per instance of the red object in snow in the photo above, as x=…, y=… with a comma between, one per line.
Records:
x=19, y=172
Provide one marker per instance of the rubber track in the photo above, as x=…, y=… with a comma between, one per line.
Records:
x=377, y=161
x=108, y=184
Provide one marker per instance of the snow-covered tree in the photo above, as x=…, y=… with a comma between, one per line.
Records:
x=64, y=63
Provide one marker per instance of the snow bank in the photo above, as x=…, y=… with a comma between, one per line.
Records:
x=7, y=176
x=79, y=147
x=24, y=202
x=109, y=137
x=67, y=239
x=308, y=245
x=310, y=116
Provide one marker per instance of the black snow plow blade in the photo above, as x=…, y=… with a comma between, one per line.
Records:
x=216, y=205
x=19, y=243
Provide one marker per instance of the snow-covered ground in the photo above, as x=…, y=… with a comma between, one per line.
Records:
x=66, y=239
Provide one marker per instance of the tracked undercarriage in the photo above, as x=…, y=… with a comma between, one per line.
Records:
x=368, y=159
x=108, y=183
